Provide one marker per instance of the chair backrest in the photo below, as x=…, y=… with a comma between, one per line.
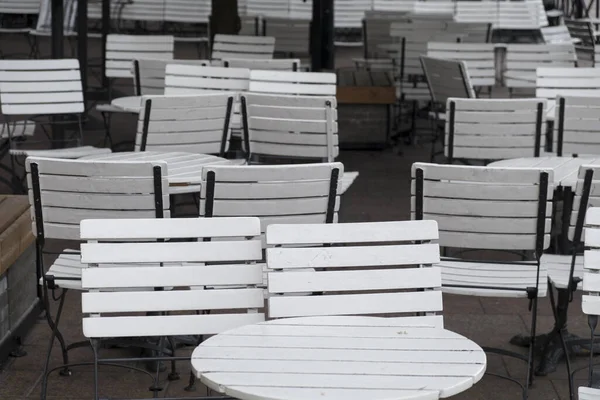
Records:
x=121, y=50
x=349, y=14
x=385, y=265
x=553, y=82
x=494, y=129
x=584, y=31
x=478, y=57
x=470, y=32
x=587, y=194
x=236, y=46
x=149, y=74
x=384, y=6
x=524, y=59
x=196, y=123
x=280, y=64
x=280, y=126
x=286, y=194
x=40, y=87
x=485, y=207
x=20, y=7
x=195, y=79
x=187, y=11
x=64, y=192
x=591, y=263
x=441, y=9
x=128, y=285
x=446, y=78
x=576, y=125
x=291, y=35
x=296, y=83
x=44, y=22
x=557, y=34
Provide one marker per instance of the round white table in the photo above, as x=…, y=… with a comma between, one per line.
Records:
x=338, y=358
x=184, y=169
x=565, y=169
x=132, y=104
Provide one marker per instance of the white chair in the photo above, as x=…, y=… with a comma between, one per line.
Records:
x=583, y=31
x=494, y=129
x=558, y=34
x=369, y=268
x=296, y=83
x=64, y=192
x=522, y=61
x=459, y=198
x=236, y=46
x=149, y=74
x=586, y=393
x=44, y=88
x=304, y=193
x=226, y=265
x=297, y=127
x=576, y=125
x=478, y=57
x=193, y=123
x=280, y=64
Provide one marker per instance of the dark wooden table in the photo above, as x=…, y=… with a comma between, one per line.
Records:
x=365, y=104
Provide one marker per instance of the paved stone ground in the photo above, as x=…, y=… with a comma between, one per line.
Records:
x=382, y=192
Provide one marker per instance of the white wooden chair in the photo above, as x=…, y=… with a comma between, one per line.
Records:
x=292, y=35
x=364, y=258
x=288, y=194
x=558, y=34
x=193, y=123
x=43, y=88
x=280, y=64
x=553, y=82
x=478, y=57
x=576, y=125
x=441, y=9
x=64, y=192
x=459, y=198
x=590, y=303
x=123, y=300
x=583, y=31
x=296, y=127
x=192, y=79
x=493, y=129
x=445, y=79
x=149, y=74
x=191, y=12
x=236, y=46
x=522, y=61
x=121, y=51
x=296, y=83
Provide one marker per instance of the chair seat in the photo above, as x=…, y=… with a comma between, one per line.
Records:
x=559, y=268
x=586, y=393
x=68, y=153
x=110, y=108
x=490, y=279
x=67, y=265
x=15, y=30
x=20, y=129
x=347, y=180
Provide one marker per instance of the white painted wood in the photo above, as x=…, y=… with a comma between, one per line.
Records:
x=296, y=83
x=577, y=118
x=366, y=276
x=446, y=79
x=187, y=11
x=584, y=32
x=557, y=35
x=488, y=129
x=524, y=59
x=152, y=73
x=227, y=362
x=121, y=50
x=28, y=87
x=19, y=7
x=44, y=21
x=282, y=64
x=130, y=268
x=529, y=14
x=291, y=34
x=586, y=393
x=195, y=122
x=192, y=79
x=478, y=58
x=292, y=126
x=239, y=46
x=553, y=82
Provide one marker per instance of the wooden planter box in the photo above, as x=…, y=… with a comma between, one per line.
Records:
x=365, y=105
x=19, y=302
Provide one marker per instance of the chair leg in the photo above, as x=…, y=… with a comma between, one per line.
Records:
x=531, y=358
x=563, y=342
x=106, y=119
x=94, y=343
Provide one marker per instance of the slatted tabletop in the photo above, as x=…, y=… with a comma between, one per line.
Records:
x=565, y=168
x=184, y=169
x=338, y=358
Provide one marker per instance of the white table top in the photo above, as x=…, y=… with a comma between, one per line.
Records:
x=341, y=358
x=565, y=169
x=184, y=169
x=132, y=104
